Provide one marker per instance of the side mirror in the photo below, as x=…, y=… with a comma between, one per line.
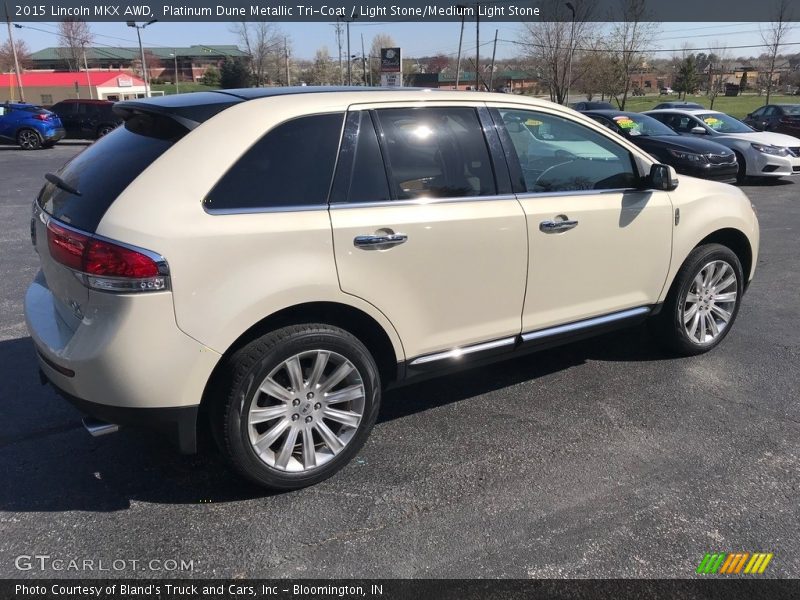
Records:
x=661, y=177
x=697, y=130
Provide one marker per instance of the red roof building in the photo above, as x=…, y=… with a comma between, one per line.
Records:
x=48, y=87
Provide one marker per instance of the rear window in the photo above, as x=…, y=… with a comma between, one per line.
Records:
x=102, y=171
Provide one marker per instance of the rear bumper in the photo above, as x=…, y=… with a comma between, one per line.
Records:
x=125, y=362
x=178, y=424
x=54, y=135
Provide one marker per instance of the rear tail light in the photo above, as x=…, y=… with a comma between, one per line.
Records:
x=105, y=265
x=42, y=116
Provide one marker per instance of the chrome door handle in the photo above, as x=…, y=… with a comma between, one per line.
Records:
x=556, y=226
x=379, y=242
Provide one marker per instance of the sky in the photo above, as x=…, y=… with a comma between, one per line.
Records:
x=416, y=39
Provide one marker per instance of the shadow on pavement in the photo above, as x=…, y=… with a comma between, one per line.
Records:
x=52, y=465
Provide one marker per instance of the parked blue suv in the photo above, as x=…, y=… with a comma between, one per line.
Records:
x=29, y=126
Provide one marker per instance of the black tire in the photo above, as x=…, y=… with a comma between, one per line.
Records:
x=741, y=174
x=668, y=326
x=238, y=388
x=104, y=130
x=29, y=139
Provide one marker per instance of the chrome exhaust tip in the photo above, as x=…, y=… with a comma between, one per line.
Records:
x=96, y=428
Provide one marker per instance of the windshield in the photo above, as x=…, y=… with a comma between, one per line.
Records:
x=634, y=124
x=722, y=123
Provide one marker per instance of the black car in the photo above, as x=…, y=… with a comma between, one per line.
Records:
x=591, y=105
x=780, y=118
x=688, y=155
x=677, y=105
x=86, y=119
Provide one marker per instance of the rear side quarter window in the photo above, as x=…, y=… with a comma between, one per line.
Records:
x=291, y=166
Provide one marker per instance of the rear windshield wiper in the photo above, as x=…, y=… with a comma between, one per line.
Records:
x=61, y=184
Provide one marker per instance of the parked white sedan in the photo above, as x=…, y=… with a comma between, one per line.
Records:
x=759, y=153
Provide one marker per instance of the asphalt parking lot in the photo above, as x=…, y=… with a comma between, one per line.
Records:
x=603, y=459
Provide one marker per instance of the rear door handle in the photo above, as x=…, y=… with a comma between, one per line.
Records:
x=556, y=226
x=379, y=242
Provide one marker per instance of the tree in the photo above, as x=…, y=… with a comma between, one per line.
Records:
x=629, y=41
x=7, y=56
x=74, y=36
x=719, y=66
x=322, y=71
x=774, y=37
x=211, y=77
x=264, y=44
x=380, y=40
x=686, y=78
x=234, y=74
x=743, y=82
x=551, y=47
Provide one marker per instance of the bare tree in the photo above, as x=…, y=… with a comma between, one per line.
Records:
x=552, y=46
x=264, y=44
x=629, y=41
x=322, y=71
x=774, y=36
x=719, y=65
x=74, y=36
x=7, y=56
x=380, y=40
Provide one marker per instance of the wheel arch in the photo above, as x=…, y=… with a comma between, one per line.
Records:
x=737, y=241
x=349, y=318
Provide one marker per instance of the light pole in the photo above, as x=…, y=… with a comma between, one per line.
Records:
x=463, y=10
x=571, y=42
x=138, y=29
x=174, y=55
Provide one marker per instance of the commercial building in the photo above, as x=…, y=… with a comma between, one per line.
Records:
x=48, y=87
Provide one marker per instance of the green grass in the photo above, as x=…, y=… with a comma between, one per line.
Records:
x=738, y=106
x=169, y=88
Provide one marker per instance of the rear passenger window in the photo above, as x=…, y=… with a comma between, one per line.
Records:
x=436, y=153
x=291, y=166
x=559, y=155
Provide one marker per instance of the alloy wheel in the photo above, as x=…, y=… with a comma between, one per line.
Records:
x=710, y=303
x=29, y=140
x=306, y=411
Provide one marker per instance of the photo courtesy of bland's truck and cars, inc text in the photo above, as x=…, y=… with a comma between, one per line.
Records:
x=362, y=299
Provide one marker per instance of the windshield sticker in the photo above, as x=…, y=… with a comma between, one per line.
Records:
x=532, y=123
x=628, y=124
x=713, y=122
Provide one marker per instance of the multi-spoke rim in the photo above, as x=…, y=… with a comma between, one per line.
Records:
x=710, y=302
x=306, y=411
x=28, y=139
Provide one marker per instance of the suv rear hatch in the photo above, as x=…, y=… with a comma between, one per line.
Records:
x=72, y=203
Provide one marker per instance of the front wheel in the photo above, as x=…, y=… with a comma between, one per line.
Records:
x=301, y=401
x=703, y=302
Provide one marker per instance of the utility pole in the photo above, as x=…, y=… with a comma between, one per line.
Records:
x=86, y=68
x=141, y=50
x=339, y=44
x=491, y=70
x=286, y=57
x=16, y=60
x=460, y=41
x=349, y=58
x=571, y=49
x=177, y=76
x=363, y=60
x=477, y=47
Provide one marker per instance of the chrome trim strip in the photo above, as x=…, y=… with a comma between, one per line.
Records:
x=260, y=210
x=422, y=201
x=585, y=324
x=535, y=195
x=459, y=352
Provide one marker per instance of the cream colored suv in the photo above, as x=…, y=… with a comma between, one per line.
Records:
x=267, y=261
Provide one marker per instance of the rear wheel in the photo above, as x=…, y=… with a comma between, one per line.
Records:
x=300, y=403
x=703, y=303
x=104, y=130
x=28, y=139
